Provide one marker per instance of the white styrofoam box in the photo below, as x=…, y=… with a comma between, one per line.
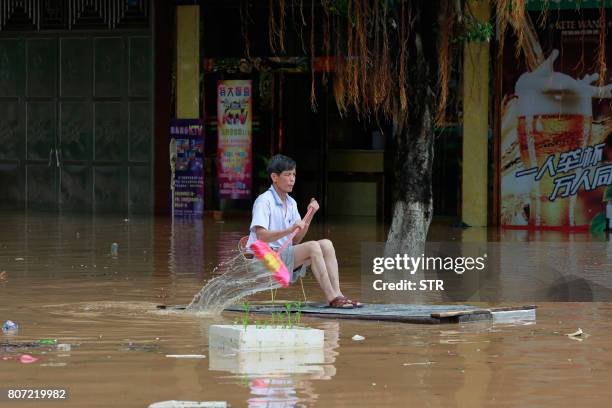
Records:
x=272, y=338
x=302, y=361
x=509, y=316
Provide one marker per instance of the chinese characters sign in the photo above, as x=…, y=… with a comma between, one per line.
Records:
x=189, y=176
x=556, y=143
x=567, y=182
x=234, y=127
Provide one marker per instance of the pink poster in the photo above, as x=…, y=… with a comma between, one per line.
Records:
x=234, y=127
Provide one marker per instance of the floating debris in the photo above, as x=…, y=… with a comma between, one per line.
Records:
x=140, y=347
x=9, y=327
x=185, y=356
x=27, y=359
x=11, y=346
x=424, y=363
x=19, y=259
x=64, y=347
x=358, y=337
x=577, y=333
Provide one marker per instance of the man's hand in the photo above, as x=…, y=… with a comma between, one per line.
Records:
x=314, y=205
x=303, y=224
x=299, y=224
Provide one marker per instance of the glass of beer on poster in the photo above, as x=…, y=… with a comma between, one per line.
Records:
x=555, y=116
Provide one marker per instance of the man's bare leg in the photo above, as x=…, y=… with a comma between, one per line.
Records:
x=311, y=251
x=331, y=263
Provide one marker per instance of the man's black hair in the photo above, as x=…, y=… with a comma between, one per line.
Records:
x=280, y=163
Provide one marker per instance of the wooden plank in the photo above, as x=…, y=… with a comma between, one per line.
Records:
x=459, y=313
x=378, y=318
x=481, y=311
x=474, y=317
x=513, y=308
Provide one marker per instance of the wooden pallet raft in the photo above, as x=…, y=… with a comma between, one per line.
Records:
x=421, y=314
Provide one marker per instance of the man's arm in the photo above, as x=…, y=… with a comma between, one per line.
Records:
x=300, y=235
x=271, y=236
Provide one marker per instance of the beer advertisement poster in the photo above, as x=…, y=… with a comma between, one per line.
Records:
x=189, y=167
x=556, y=124
x=234, y=126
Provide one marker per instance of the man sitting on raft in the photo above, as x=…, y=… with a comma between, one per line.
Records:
x=275, y=216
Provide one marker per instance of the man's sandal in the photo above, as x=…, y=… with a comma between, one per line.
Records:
x=341, y=302
x=356, y=303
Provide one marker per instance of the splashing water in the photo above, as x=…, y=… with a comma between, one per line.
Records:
x=238, y=277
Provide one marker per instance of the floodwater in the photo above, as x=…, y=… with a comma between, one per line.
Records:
x=61, y=282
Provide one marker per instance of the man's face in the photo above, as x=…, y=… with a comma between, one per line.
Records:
x=284, y=181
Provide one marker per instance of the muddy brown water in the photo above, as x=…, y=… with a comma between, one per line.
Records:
x=61, y=282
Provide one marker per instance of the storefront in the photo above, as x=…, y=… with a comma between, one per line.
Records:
x=76, y=99
x=345, y=161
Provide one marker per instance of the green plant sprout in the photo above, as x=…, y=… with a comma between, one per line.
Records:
x=298, y=313
x=288, y=312
x=276, y=318
x=245, y=316
x=244, y=381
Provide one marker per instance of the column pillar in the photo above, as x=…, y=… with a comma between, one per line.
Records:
x=475, y=124
x=188, y=62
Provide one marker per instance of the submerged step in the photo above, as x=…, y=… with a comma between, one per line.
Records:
x=252, y=337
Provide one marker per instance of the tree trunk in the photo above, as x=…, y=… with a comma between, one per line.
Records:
x=413, y=207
